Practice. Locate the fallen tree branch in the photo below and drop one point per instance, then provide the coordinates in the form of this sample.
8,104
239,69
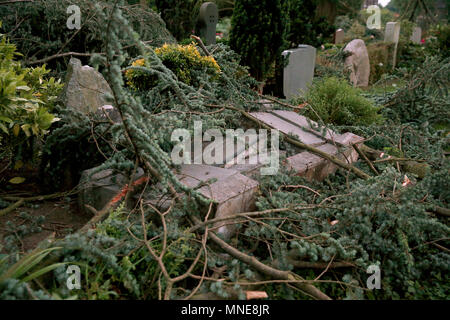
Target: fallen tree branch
12,207
60,55
363,155
442,211
265,269
201,44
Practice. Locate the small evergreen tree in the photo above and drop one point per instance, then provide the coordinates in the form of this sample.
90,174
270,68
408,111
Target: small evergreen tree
179,16
257,33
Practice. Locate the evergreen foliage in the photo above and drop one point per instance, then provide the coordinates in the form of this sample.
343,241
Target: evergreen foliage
44,22
390,220
256,34
180,16
335,101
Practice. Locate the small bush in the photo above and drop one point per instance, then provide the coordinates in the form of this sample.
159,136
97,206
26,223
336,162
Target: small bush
380,60
27,97
185,61
336,102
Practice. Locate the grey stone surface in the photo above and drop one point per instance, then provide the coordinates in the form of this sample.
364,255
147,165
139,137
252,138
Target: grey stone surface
288,128
85,88
392,35
299,72
207,20
313,167
339,36
108,112
358,63
99,189
232,191
416,36
305,123
306,163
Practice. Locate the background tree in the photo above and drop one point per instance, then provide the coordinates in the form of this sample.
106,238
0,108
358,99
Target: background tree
179,16
256,34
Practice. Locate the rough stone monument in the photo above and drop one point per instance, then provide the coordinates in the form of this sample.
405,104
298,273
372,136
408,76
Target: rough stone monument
392,35
416,36
207,22
358,63
339,36
299,72
85,88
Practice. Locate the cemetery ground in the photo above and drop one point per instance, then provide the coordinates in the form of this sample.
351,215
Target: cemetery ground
357,207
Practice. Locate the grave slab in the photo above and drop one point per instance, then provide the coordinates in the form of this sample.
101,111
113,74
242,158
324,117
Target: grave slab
288,128
306,163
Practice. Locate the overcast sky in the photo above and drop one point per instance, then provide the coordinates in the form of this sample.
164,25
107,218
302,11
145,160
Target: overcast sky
384,2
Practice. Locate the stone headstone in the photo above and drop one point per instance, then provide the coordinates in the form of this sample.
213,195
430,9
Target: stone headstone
358,63
208,19
416,36
339,36
85,88
392,35
299,72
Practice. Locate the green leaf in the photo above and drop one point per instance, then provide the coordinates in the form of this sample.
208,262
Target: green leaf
17,180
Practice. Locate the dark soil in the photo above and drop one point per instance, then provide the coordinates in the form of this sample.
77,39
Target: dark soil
61,215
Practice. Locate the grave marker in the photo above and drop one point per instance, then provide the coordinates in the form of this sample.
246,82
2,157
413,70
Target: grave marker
339,36
392,35
299,72
358,63
416,36
208,19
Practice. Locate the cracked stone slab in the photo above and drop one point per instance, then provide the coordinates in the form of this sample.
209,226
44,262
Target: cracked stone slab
231,191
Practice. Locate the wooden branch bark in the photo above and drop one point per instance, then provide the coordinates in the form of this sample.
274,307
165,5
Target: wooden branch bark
265,269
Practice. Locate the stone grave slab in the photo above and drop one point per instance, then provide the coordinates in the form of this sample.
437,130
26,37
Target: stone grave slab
299,72
288,128
207,21
231,191
306,163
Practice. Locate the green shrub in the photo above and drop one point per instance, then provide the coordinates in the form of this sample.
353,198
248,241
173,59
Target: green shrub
27,97
185,61
440,41
379,57
336,102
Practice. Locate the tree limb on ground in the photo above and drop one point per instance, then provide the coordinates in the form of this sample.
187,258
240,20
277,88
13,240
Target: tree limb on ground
265,269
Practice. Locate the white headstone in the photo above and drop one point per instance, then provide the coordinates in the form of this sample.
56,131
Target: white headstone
299,72
392,35
339,36
416,36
